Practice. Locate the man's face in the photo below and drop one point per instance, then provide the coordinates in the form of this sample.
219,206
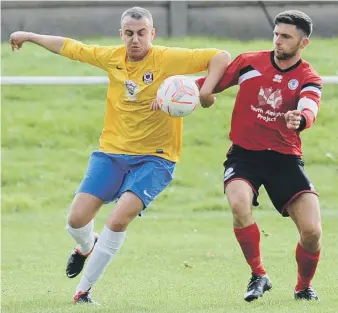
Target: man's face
288,41
137,36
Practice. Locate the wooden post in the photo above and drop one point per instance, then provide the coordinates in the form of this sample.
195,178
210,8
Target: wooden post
178,18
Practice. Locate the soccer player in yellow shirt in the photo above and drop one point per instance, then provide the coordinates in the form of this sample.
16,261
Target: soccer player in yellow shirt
139,145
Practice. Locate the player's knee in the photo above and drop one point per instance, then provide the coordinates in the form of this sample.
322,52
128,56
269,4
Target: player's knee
240,204
74,221
78,219
241,211
118,220
117,225
311,235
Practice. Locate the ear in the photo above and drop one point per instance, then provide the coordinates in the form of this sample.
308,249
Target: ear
153,32
305,42
120,30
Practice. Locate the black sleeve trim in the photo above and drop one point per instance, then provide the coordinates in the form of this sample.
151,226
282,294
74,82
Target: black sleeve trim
245,70
302,123
312,85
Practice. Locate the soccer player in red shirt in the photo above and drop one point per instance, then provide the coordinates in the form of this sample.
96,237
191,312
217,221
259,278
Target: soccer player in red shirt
278,98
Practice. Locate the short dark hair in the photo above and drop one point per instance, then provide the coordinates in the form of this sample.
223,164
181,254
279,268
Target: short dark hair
298,18
137,13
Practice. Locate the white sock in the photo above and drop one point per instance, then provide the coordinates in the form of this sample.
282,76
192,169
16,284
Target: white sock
105,249
83,236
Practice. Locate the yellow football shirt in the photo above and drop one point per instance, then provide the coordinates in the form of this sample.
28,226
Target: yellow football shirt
130,127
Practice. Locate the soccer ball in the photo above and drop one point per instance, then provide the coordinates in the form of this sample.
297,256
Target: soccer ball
178,96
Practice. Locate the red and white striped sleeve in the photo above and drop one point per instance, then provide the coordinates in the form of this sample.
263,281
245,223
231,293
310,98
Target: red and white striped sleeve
309,99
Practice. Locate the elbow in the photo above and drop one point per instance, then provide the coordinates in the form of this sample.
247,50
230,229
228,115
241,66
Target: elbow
227,57
220,62
224,58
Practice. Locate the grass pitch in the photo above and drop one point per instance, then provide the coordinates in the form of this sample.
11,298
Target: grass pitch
182,255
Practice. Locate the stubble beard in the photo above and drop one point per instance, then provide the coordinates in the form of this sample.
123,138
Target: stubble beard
285,56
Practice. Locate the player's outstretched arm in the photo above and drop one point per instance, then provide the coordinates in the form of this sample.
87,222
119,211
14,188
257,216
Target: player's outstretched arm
51,43
216,69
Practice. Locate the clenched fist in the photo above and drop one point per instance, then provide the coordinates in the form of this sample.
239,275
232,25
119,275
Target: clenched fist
207,99
16,39
293,119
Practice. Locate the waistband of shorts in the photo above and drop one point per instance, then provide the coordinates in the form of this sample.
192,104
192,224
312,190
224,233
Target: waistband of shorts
238,150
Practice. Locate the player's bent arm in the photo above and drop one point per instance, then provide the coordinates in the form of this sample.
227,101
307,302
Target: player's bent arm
216,68
229,76
51,43
309,102
309,111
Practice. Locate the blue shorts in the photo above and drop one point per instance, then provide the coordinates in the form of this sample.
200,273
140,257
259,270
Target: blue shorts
110,175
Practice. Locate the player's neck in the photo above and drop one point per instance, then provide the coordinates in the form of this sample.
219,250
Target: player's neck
140,58
135,59
285,64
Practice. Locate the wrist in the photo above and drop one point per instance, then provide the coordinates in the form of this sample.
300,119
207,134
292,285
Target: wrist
30,36
302,124
205,91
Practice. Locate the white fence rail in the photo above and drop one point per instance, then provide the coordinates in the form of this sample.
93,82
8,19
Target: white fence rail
88,80
54,80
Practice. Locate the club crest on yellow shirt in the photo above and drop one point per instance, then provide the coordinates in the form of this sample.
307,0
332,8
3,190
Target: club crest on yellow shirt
148,77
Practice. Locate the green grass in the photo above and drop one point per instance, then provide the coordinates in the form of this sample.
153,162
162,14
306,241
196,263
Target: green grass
149,275
48,133
34,61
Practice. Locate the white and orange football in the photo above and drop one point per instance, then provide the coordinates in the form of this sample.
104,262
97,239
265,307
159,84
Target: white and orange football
178,96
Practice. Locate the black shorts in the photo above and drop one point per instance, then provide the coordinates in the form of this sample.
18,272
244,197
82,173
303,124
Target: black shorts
282,176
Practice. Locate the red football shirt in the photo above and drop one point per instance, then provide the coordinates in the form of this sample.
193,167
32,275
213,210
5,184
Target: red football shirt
266,93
